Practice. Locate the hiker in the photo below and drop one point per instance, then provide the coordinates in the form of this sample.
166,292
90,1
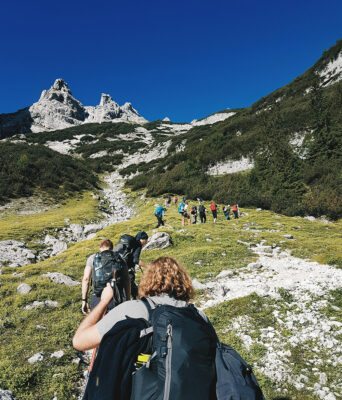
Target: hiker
200,200
168,201
159,213
160,346
226,211
202,214
213,209
235,210
176,200
94,262
182,210
193,213
185,214
164,283
183,199
130,248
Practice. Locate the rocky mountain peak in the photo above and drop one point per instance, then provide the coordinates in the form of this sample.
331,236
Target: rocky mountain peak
106,99
60,84
58,109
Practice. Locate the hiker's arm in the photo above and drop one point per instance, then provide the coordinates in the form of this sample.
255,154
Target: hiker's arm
85,288
136,258
87,335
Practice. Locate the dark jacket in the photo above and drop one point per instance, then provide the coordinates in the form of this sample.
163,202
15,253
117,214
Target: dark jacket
111,376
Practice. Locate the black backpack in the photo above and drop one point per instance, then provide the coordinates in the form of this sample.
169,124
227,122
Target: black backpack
182,361
108,267
201,208
126,246
189,363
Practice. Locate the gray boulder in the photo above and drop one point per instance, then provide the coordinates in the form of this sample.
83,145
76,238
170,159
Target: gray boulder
254,266
92,228
76,231
225,273
160,240
39,304
6,395
59,278
24,288
57,245
288,236
15,253
57,354
36,357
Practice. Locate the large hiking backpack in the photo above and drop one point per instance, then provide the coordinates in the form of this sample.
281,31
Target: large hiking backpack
126,246
159,211
201,209
182,361
213,206
193,210
181,207
184,364
107,267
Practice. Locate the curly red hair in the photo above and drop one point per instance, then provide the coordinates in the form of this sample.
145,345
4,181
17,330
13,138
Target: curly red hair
166,275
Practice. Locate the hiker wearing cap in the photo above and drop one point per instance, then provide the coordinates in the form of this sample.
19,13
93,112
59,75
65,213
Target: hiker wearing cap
98,264
130,248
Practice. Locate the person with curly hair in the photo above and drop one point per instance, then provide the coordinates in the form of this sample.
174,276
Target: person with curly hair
164,281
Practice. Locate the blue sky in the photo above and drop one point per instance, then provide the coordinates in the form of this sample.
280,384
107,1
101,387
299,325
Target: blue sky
181,59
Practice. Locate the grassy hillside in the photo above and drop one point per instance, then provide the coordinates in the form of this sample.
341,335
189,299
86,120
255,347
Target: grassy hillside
26,332
283,180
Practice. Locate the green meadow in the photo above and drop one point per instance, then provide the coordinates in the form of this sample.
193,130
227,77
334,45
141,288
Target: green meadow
24,333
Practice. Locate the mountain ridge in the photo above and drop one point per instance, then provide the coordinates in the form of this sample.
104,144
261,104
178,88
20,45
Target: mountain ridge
58,109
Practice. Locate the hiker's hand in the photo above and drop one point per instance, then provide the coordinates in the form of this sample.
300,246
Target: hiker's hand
85,307
107,294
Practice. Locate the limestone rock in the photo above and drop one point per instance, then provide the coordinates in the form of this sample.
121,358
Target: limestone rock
36,357
160,240
197,285
39,304
58,246
59,278
57,354
15,253
288,236
24,288
254,266
6,395
92,228
224,274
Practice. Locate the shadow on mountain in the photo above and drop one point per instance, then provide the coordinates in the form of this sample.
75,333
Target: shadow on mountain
15,123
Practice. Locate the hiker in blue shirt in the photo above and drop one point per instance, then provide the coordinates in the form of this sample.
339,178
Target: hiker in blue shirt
159,215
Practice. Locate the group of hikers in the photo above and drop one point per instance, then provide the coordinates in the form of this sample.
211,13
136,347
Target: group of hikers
147,341
190,214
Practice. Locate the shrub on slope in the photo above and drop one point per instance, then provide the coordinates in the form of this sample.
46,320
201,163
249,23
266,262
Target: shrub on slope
26,169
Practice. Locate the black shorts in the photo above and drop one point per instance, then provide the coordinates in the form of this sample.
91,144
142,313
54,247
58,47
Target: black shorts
214,213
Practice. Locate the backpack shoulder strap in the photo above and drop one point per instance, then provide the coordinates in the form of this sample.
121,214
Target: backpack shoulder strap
150,306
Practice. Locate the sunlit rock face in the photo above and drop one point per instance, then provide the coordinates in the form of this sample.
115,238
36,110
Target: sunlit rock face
58,109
